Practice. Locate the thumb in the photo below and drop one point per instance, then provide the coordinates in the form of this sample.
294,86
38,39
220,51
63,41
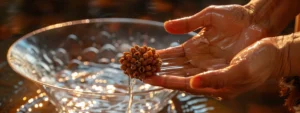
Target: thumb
214,79
188,24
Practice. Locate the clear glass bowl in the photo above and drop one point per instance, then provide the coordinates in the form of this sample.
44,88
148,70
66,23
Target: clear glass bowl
76,63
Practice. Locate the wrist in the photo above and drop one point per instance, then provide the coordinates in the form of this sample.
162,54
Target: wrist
273,15
283,67
294,54
290,82
289,56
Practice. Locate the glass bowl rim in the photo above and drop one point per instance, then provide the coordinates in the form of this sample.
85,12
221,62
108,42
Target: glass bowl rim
77,22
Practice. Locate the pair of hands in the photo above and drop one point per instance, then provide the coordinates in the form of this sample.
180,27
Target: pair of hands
227,57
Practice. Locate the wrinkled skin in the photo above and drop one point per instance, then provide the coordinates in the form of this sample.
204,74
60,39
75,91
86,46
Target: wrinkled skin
247,70
227,30
210,62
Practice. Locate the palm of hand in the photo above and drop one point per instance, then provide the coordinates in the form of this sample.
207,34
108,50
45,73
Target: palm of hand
227,30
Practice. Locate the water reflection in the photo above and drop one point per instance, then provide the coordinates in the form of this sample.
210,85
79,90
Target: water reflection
35,102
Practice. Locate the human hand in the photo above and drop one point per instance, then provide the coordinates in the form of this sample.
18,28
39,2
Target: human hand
226,31
247,70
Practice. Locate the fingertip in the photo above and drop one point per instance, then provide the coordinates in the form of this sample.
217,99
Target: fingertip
168,27
175,26
195,82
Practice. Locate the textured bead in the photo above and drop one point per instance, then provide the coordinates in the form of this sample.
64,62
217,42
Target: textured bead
140,62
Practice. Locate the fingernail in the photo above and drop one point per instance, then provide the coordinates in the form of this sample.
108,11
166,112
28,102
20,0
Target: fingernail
195,82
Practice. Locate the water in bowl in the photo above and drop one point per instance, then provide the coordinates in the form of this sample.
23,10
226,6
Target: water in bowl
91,50
101,78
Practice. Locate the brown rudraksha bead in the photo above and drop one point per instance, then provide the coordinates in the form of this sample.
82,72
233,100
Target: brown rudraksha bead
140,62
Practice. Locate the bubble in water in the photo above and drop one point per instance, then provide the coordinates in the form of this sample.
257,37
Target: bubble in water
74,64
89,41
173,44
90,54
61,55
118,56
104,61
73,36
108,47
125,47
73,45
108,51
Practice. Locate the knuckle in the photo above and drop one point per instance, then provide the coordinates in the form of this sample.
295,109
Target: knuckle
239,13
267,43
236,6
211,8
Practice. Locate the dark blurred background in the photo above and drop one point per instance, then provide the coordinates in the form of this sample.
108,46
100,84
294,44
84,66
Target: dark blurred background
19,17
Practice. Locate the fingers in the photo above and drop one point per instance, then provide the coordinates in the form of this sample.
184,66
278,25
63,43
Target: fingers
182,72
171,52
169,81
188,24
219,94
213,79
218,78
182,84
